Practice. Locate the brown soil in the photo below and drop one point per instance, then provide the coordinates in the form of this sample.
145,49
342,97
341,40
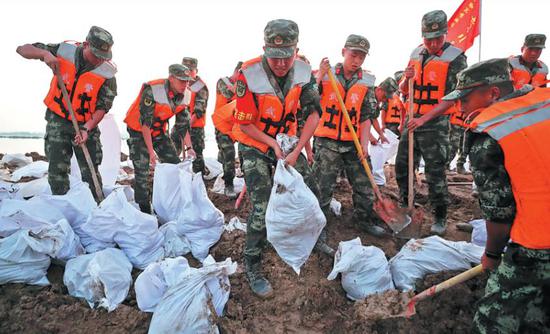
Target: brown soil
308,303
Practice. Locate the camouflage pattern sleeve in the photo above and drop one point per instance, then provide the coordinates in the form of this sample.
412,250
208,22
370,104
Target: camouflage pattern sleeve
146,106
369,108
455,66
106,95
221,88
496,198
201,101
310,100
182,123
52,48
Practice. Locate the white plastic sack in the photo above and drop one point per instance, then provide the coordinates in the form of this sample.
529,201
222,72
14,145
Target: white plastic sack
174,243
8,190
102,278
431,255
167,198
128,191
293,218
215,168
479,233
184,306
219,185
136,233
17,159
35,169
234,224
381,153
24,259
365,269
335,207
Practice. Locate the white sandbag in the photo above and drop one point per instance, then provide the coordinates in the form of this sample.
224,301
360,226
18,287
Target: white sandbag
19,220
33,188
102,278
8,190
234,224
215,168
335,207
365,269
219,185
167,198
174,243
136,233
293,218
184,306
128,191
479,233
35,169
431,255
153,282
111,143
24,259
381,153
17,159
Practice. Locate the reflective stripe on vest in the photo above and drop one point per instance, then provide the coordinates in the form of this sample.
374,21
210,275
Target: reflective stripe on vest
273,117
83,90
431,79
190,97
522,128
332,123
521,75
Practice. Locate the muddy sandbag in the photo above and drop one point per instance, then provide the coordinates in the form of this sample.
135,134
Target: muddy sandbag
365,269
102,278
24,258
294,220
175,244
35,169
186,307
17,159
431,255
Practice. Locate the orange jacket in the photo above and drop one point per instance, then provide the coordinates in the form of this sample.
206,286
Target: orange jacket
521,75
457,117
223,118
192,91
272,116
522,128
395,111
431,79
163,109
82,90
332,123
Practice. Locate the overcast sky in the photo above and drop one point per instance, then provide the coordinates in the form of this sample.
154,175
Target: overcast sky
151,35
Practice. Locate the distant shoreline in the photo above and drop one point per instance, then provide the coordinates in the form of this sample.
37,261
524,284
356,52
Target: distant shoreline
21,137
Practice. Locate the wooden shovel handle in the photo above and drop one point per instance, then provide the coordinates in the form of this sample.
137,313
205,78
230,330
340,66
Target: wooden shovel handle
410,139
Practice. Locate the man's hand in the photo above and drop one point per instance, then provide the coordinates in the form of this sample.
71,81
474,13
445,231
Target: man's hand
373,141
488,263
415,123
383,139
324,67
292,157
278,152
51,61
152,160
81,137
310,157
409,72
365,149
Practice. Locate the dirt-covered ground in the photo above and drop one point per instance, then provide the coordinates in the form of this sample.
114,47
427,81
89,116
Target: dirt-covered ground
308,303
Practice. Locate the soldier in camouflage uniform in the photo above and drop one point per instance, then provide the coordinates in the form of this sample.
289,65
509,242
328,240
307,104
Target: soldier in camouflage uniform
389,101
430,124
197,109
274,77
334,147
225,93
506,139
147,120
90,61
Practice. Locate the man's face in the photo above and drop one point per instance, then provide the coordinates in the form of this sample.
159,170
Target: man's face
90,57
380,94
281,66
176,85
193,73
353,59
433,45
530,55
479,98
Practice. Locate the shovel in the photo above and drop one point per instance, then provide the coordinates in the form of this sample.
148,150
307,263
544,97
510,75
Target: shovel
386,209
98,190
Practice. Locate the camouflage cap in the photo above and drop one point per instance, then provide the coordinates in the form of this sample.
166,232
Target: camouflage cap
180,72
398,75
238,67
535,41
281,38
100,41
190,62
488,72
389,85
434,24
357,42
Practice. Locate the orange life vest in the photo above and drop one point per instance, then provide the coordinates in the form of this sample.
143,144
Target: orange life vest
332,123
223,118
83,89
191,95
164,109
431,79
521,75
395,110
274,117
457,117
522,128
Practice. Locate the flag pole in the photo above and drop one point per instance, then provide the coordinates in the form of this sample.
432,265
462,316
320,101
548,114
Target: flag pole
480,11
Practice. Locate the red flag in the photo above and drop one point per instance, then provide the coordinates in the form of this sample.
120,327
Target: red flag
464,24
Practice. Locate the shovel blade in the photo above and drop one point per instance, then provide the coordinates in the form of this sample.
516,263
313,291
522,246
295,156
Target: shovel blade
395,217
